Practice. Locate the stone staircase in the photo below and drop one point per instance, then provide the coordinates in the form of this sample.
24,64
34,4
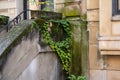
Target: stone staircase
23,58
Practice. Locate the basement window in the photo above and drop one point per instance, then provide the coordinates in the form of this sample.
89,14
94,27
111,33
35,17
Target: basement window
115,7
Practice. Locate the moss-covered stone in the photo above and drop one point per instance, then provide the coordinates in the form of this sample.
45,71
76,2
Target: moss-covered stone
45,15
79,47
10,38
72,10
4,20
76,54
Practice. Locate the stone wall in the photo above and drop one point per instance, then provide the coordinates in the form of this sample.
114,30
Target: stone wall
103,41
45,66
8,8
93,27
23,58
72,10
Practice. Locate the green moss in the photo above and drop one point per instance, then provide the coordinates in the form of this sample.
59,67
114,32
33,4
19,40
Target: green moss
10,39
79,47
58,36
3,20
72,12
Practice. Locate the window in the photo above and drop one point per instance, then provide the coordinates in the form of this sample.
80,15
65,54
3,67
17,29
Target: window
115,7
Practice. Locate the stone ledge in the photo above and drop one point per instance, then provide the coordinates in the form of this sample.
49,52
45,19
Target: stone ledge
35,14
109,45
113,53
11,36
109,38
116,18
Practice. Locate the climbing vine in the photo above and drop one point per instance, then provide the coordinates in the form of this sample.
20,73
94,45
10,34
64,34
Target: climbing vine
74,77
51,30
61,46
3,19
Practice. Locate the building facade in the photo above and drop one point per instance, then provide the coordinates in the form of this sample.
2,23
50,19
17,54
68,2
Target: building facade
104,39
11,8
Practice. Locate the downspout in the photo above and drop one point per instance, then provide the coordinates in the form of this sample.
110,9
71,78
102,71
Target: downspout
25,8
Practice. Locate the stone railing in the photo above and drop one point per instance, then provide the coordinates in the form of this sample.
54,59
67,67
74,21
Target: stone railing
20,50
9,38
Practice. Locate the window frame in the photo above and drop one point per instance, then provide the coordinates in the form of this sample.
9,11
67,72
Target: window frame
115,8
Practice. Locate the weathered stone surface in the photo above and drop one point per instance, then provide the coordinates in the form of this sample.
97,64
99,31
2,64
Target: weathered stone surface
28,60
93,32
109,45
109,38
22,45
92,4
98,75
113,75
116,18
20,56
79,49
60,8
3,31
72,9
105,17
0,76
8,38
112,53
116,28
44,66
76,52
93,15
83,6
7,4
94,58
45,15
113,62
109,41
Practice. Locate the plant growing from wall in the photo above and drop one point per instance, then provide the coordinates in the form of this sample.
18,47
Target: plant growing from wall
51,28
62,47
3,20
73,77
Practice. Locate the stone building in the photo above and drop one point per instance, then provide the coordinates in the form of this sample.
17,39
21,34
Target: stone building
28,60
104,39
103,18
11,7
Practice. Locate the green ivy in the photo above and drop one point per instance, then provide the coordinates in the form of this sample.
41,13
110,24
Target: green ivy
74,77
3,20
61,47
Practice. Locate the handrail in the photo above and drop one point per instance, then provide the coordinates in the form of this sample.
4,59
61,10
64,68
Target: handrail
15,20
